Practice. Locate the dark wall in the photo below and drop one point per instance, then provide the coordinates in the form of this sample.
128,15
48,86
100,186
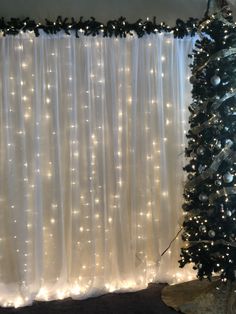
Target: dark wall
164,10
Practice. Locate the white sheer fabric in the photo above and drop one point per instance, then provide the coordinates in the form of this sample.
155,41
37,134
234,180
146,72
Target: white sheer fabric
91,155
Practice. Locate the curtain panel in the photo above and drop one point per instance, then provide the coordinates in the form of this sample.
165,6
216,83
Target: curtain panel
92,136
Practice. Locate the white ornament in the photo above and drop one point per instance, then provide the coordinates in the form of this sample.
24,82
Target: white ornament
215,80
211,233
228,177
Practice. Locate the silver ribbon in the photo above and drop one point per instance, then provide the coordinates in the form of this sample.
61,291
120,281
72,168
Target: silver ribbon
203,106
225,191
223,20
220,54
225,153
206,124
216,104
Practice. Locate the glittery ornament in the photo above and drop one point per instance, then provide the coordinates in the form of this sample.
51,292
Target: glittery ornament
218,182
200,150
185,236
215,80
202,228
222,207
193,155
201,168
211,233
227,110
218,144
203,197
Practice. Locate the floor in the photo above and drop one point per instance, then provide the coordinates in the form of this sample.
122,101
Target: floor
146,301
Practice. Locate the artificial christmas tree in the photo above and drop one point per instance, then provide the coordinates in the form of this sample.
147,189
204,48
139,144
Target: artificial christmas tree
210,191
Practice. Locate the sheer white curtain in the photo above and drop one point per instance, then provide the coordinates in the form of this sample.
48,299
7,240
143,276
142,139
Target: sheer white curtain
91,155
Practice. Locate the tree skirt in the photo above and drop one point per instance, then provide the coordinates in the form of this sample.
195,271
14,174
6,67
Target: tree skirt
201,297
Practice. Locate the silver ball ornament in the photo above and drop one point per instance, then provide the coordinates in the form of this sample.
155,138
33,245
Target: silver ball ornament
228,213
228,177
211,233
228,141
215,80
203,197
192,79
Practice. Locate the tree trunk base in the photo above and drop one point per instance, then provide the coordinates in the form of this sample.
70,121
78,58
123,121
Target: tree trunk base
201,297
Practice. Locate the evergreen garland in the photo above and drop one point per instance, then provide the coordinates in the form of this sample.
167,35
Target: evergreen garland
210,190
91,27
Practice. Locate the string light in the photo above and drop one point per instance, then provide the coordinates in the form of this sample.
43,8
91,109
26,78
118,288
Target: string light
84,168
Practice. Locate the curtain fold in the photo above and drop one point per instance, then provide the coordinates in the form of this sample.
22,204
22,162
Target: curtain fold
91,155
